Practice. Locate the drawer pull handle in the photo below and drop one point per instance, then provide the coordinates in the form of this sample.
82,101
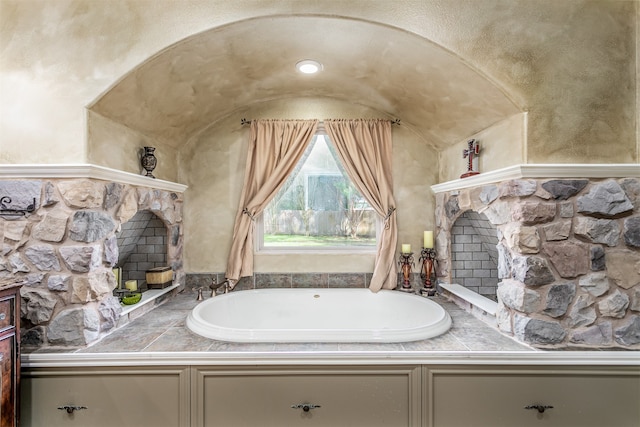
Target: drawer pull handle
3,316
540,408
70,408
306,407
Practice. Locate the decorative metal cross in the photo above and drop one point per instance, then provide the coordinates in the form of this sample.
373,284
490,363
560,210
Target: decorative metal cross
472,151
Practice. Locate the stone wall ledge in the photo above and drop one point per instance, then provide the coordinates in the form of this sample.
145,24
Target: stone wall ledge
148,299
486,305
50,171
618,170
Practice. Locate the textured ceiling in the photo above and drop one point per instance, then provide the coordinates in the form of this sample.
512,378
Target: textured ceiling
196,82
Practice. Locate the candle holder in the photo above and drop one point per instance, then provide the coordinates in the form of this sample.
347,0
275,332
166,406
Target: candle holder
428,259
406,262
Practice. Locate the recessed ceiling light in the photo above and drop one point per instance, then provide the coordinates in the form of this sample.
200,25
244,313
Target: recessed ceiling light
309,66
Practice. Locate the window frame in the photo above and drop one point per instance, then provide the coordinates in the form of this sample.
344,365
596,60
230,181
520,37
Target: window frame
260,248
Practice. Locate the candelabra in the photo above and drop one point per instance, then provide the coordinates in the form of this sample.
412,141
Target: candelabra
406,262
428,259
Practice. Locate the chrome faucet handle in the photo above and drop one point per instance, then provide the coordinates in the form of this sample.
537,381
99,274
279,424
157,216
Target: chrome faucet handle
222,288
213,286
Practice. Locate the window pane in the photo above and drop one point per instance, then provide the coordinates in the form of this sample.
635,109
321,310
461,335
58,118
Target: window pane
318,206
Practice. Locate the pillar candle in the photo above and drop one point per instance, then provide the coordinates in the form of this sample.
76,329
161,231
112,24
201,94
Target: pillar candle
406,248
116,273
131,285
428,239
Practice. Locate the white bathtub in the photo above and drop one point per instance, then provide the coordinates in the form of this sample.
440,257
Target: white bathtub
318,315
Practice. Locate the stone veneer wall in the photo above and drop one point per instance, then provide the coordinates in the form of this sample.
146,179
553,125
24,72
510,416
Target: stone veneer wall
64,250
568,257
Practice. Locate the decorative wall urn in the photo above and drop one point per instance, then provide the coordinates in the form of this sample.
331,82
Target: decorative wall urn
149,161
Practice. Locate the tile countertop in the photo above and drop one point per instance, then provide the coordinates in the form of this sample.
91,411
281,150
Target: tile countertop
160,337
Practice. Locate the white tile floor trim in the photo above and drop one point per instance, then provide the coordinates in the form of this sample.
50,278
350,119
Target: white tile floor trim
485,304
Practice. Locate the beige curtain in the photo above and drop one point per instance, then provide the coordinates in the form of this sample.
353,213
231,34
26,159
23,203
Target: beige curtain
365,148
274,150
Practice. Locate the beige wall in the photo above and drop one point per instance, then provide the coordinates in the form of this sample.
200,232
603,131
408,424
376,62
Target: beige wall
570,64
501,145
214,164
118,147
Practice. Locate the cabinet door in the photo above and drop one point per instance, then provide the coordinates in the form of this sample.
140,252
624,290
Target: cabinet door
498,397
8,381
384,396
105,397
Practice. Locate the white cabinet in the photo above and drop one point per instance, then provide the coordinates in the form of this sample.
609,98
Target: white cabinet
497,396
105,397
307,396
332,395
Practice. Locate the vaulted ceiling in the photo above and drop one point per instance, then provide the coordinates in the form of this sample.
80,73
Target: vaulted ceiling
198,81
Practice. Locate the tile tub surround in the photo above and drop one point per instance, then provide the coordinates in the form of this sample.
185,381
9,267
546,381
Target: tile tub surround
163,330
285,280
64,250
568,257
292,280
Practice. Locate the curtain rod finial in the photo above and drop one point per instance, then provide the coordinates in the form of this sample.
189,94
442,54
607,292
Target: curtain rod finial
245,122
395,122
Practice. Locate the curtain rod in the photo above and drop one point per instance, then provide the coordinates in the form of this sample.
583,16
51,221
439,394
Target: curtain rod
247,122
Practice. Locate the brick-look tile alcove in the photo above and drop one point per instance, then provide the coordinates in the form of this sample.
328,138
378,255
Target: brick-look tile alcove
568,255
142,245
474,254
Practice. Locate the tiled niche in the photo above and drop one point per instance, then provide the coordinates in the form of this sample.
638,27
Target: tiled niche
142,245
474,254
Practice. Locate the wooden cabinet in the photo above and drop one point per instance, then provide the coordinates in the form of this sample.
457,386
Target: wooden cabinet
307,396
499,396
10,354
106,397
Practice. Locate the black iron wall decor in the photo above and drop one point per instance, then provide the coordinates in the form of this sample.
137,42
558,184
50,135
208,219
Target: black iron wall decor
5,201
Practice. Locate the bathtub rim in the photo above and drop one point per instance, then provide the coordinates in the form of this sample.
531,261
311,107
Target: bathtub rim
197,325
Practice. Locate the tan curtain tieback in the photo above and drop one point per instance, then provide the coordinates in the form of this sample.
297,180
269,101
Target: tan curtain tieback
386,218
246,211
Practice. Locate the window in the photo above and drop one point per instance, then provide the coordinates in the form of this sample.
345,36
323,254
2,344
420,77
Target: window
318,208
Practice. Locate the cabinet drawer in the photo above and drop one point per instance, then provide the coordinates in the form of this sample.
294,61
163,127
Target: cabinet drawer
357,397
7,313
498,397
122,397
